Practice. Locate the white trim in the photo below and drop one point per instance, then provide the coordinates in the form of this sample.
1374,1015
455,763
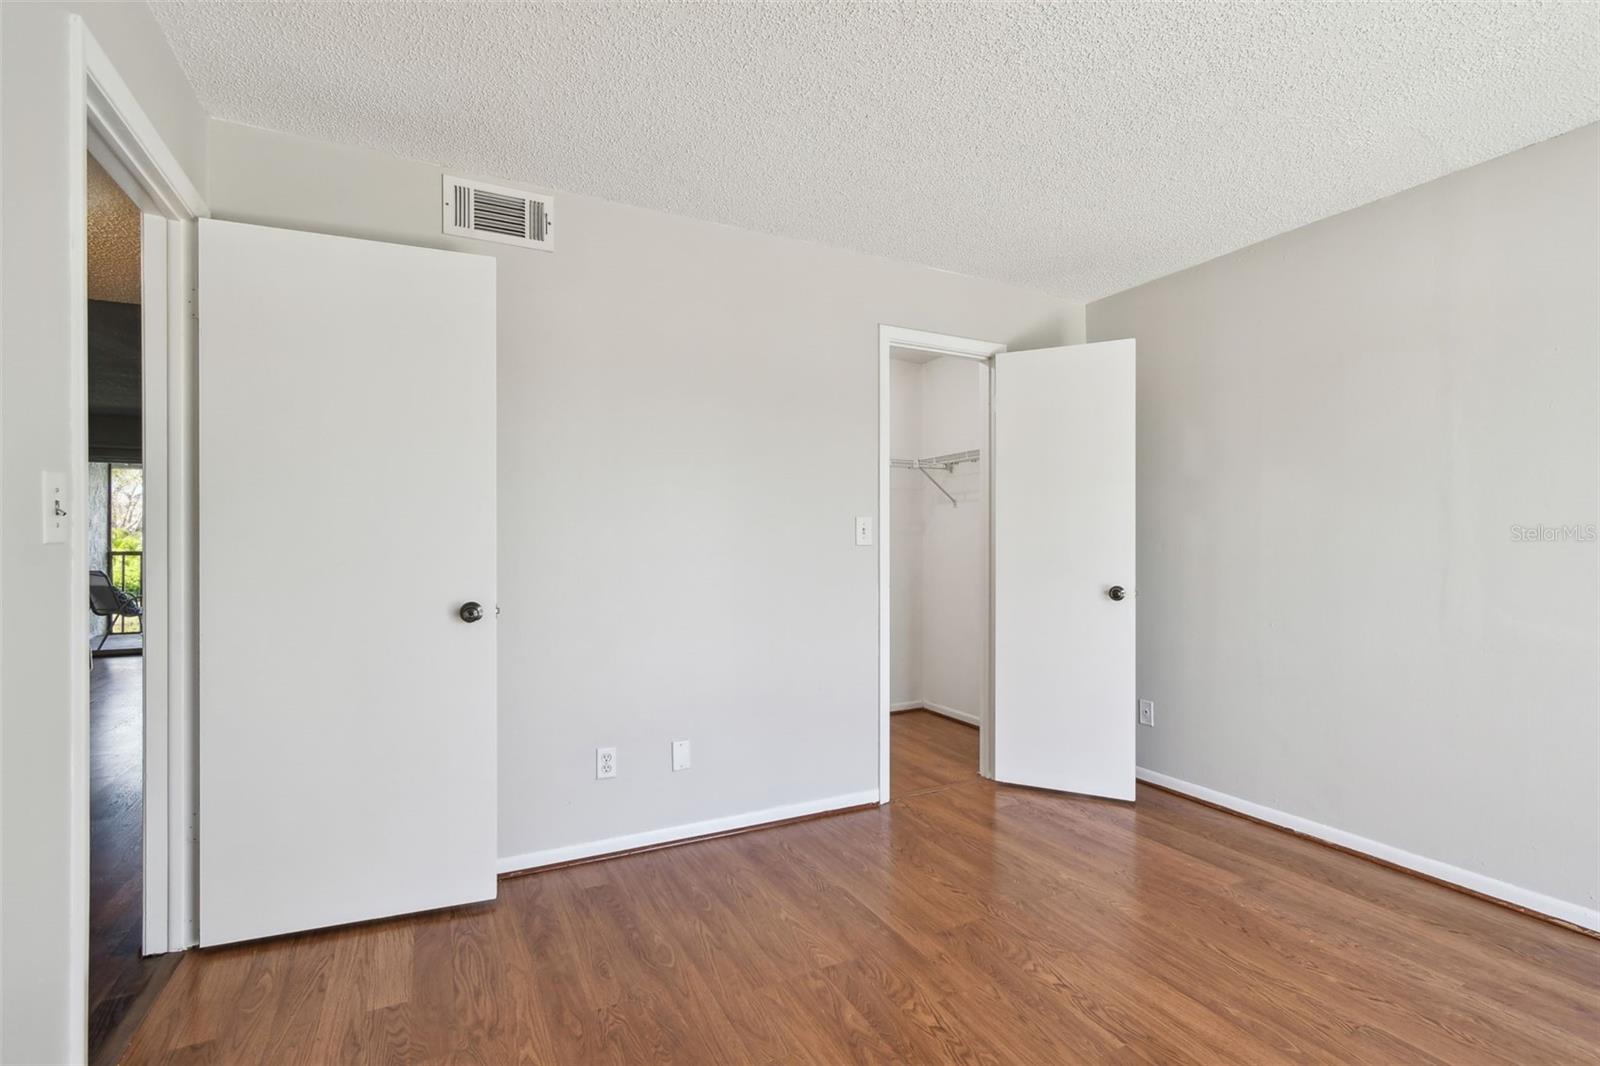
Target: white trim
105,120
890,337
75,179
885,664
154,344
182,678
937,708
1575,913
940,343
119,124
2,594
531,860
950,712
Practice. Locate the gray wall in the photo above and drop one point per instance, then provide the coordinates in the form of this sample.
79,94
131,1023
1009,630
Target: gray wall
1338,430
42,659
688,424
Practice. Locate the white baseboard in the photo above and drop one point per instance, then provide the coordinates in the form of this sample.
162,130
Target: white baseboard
567,853
1575,913
936,708
951,712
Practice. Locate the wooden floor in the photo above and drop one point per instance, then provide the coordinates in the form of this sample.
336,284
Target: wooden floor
928,751
969,923
120,980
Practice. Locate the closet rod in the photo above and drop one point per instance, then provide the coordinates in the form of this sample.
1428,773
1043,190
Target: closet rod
947,462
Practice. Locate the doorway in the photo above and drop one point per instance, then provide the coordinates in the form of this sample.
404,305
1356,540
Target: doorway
938,558
1054,624
935,508
106,124
121,976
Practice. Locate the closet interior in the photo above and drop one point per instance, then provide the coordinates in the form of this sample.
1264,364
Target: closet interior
939,557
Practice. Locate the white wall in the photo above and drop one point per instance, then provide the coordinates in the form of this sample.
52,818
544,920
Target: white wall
688,425
906,517
41,656
954,621
940,553
1338,430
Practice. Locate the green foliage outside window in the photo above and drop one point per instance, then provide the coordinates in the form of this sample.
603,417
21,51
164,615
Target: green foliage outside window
127,535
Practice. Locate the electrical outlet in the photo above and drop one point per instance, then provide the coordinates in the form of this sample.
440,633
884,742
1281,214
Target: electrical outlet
680,755
863,531
605,762
1147,712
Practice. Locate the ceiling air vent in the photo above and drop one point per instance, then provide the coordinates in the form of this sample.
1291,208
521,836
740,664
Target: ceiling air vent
493,213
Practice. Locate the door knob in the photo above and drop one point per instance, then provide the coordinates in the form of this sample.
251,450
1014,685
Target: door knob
471,611
1116,592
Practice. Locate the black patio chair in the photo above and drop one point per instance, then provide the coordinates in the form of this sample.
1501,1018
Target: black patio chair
109,602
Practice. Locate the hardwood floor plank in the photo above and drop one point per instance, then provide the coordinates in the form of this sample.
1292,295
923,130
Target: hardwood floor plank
904,1012
834,1031
929,751
1229,840
528,1038
965,923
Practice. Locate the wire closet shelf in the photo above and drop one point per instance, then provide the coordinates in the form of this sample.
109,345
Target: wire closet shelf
947,462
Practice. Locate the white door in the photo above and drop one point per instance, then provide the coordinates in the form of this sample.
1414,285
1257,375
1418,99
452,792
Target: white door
1063,483
347,513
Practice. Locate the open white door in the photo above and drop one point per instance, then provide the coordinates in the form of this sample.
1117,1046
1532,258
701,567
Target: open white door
1064,703
347,513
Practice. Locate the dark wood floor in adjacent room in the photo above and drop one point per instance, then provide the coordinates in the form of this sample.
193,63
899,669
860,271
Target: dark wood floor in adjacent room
120,980
968,923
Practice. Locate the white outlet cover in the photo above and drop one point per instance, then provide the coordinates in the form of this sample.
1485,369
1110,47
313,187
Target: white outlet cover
680,755
1147,712
863,530
605,762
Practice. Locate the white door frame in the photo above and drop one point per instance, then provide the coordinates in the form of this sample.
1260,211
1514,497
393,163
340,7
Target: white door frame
891,337
107,122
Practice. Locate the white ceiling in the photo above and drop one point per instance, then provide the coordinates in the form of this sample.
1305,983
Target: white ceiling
1078,148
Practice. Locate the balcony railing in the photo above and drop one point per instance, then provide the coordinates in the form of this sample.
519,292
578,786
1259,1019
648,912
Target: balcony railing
127,574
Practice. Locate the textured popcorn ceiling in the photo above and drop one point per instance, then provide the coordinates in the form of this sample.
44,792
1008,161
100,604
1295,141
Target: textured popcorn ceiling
113,240
1075,148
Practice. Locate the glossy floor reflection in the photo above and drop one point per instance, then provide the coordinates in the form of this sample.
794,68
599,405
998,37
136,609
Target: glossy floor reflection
967,923
120,980
927,751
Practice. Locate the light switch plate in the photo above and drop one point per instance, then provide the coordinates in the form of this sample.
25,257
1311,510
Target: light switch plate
863,530
680,755
53,500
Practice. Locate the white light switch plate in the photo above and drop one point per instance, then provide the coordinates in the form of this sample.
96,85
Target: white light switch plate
863,530
53,499
680,755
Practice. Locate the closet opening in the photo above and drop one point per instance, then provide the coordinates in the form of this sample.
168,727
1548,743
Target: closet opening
1012,605
936,532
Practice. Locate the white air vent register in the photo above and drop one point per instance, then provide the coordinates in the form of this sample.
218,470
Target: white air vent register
493,213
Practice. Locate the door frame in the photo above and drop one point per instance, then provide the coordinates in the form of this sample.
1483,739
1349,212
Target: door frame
889,338
106,121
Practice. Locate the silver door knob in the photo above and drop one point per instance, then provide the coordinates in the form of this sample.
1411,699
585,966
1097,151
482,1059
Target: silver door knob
471,611
1117,592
